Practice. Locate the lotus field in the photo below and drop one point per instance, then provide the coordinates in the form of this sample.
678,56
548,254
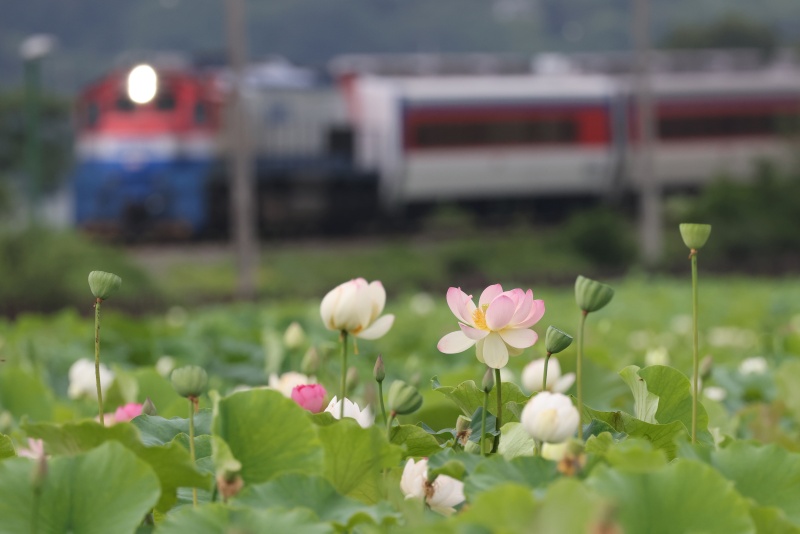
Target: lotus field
643,405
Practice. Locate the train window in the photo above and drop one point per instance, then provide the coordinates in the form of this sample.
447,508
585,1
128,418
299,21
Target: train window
495,132
200,114
165,101
729,125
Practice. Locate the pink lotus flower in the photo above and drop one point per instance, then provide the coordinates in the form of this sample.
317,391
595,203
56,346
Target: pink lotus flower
499,326
35,449
127,412
311,397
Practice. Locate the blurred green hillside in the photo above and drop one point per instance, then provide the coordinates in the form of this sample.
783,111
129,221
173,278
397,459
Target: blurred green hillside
92,34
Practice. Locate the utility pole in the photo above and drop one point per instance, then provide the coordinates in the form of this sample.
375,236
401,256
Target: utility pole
33,50
650,205
243,193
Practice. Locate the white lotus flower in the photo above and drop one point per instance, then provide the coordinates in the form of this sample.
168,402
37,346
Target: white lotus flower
363,417
441,495
533,373
286,382
715,393
355,307
756,365
82,380
550,417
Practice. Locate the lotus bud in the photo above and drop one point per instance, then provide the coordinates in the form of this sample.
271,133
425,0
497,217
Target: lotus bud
592,295
379,372
695,235
103,284
403,398
706,364
310,364
488,380
556,341
39,474
189,381
351,380
294,337
148,408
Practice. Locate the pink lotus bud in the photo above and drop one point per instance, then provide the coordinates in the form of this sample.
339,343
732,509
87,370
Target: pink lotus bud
128,412
311,397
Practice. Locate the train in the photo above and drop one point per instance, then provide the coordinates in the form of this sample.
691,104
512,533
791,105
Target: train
377,136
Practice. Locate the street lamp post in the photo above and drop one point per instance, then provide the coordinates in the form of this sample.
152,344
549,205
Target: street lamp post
33,50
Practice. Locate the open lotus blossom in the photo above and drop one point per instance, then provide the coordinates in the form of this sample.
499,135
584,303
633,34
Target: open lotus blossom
128,412
533,373
354,307
82,379
286,382
311,397
499,326
441,495
363,417
550,417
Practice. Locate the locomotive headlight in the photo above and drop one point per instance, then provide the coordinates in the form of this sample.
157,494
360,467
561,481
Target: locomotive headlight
142,84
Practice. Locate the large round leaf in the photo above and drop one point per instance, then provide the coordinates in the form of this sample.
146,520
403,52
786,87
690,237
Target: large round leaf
268,433
105,490
685,496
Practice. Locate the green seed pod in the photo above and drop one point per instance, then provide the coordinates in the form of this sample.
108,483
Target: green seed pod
463,423
379,372
695,235
556,341
488,380
592,295
404,399
189,381
148,408
103,284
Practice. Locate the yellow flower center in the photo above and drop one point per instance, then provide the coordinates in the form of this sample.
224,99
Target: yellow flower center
479,317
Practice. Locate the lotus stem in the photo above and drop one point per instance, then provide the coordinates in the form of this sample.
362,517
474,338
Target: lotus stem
343,388
544,377
499,417
97,358
192,406
380,396
696,359
483,422
579,371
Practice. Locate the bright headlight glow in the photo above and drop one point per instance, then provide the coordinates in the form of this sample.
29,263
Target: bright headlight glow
142,84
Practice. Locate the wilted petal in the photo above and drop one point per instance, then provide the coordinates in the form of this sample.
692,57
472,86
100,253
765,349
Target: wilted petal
537,311
519,338
489,294
473,333
495,352
499,313
378,328
454,342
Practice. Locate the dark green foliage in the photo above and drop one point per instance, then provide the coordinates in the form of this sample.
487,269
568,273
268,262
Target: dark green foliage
45,271
602,236
755,223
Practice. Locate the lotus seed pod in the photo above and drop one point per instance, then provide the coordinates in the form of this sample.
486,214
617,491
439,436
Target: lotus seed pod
148,408
103,284
556,341
379,372
404,399
488,380
189,381
695,235
592,295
